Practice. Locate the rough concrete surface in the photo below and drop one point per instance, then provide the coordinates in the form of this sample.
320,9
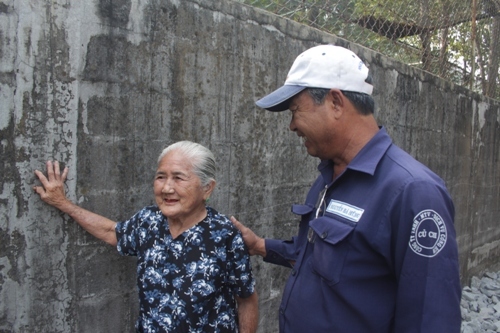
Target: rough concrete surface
104,85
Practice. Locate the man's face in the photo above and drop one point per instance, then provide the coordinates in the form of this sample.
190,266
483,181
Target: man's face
313,123
178,191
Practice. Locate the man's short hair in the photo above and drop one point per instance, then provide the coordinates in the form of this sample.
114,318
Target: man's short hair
363,103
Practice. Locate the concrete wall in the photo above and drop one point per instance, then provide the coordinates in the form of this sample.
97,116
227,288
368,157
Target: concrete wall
104,85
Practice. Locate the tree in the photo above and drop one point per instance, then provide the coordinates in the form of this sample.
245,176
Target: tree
459,40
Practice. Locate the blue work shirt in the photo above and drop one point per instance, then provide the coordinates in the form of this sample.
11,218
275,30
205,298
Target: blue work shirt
380,257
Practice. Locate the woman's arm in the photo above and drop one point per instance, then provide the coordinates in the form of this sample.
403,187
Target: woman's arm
248,313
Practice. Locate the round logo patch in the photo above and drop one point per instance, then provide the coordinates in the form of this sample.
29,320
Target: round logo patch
428,233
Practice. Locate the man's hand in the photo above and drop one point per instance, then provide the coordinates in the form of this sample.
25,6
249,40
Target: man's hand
52,189
256,245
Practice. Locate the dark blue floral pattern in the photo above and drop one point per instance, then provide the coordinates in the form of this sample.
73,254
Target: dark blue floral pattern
187,284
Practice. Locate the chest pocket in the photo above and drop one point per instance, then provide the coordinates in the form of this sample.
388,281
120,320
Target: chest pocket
331,246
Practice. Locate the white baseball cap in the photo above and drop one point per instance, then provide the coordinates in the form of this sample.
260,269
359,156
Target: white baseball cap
323,66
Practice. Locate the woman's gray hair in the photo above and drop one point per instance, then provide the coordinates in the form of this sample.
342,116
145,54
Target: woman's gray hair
202,159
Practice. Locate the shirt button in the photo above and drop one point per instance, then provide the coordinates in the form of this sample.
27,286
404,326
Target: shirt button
294,272
281,311
323,235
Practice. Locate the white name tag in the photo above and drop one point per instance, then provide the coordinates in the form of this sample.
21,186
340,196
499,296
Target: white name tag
345,210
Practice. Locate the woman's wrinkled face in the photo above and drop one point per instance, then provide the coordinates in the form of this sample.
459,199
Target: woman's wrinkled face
177,189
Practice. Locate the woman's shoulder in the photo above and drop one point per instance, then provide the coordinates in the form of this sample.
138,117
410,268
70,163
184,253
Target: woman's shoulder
219,219
148,214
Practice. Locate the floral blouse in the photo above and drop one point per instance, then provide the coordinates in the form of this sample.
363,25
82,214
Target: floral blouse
187,284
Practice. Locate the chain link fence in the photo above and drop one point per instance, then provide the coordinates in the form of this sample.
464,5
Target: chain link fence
458,40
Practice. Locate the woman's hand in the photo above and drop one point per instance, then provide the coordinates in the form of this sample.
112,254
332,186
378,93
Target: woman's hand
52,189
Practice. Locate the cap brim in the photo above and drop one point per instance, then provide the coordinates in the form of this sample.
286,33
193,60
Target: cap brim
279,100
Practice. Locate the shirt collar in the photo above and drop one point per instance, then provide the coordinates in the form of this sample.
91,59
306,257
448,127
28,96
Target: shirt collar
366,160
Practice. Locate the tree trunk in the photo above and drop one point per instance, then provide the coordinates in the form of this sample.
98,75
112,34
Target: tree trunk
494,60
443,54
482,67
425,36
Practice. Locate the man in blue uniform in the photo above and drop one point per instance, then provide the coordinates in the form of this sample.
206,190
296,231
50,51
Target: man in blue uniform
376,248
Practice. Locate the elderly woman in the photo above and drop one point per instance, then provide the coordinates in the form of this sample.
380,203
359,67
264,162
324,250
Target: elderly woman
193,271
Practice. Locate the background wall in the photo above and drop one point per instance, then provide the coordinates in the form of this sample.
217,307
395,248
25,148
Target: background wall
104,85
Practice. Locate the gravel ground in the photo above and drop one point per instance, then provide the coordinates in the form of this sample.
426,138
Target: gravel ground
480,305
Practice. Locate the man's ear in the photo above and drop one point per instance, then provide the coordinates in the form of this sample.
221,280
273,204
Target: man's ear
336,98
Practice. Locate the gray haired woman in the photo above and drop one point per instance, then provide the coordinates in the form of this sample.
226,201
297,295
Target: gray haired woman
193,270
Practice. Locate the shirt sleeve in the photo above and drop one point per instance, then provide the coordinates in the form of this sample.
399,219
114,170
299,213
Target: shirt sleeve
426,260
283,252
127,235
240,272
280,252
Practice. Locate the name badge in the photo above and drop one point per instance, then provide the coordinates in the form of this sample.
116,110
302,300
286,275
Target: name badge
350,212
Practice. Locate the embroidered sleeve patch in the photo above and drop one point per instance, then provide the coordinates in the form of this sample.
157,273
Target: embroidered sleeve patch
428,233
